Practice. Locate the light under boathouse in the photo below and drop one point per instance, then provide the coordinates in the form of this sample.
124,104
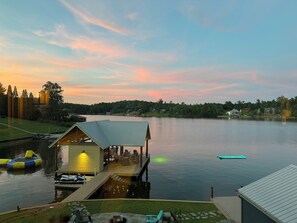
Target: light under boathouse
105,146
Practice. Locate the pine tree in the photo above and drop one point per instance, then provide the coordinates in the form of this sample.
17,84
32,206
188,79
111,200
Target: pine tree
2,89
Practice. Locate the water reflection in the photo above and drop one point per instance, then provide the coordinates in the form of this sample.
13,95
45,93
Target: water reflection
29,187
123,188
188,149
23,171
35,186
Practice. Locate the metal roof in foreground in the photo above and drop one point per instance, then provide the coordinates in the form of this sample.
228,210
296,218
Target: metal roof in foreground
275,195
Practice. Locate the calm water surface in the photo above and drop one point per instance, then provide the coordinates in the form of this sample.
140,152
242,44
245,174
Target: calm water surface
190,147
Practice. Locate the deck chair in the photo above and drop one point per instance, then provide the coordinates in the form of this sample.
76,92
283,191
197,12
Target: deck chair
81,219
154,218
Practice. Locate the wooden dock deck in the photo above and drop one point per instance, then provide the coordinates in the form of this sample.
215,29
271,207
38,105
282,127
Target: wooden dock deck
86,190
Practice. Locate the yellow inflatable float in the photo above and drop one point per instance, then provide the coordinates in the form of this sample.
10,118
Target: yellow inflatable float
30,160
3,162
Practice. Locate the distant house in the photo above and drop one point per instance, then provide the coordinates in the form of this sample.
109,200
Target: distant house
269,111
271,199
233,113
89,143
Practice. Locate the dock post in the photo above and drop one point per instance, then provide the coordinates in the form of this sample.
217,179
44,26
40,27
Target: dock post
56,158
141,156
146,149
211,192
146,174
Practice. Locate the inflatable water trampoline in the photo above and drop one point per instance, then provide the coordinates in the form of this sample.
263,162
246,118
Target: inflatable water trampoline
30,160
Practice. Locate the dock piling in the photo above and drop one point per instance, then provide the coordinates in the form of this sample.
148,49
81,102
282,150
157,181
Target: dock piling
211,192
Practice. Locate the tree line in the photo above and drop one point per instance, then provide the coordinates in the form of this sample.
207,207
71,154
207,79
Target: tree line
280,107
57,110
47,106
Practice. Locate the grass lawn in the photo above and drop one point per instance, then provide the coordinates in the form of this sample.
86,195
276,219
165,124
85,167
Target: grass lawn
144,207
7,133
37,215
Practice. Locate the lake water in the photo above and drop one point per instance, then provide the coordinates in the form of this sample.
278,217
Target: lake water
189,148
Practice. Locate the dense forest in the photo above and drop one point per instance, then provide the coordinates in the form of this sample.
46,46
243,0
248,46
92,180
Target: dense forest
282,107
55,109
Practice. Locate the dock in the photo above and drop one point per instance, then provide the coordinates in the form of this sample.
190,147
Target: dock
86,190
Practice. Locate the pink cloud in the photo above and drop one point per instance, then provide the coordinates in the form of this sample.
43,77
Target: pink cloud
142,74
218,87
100,93
156,95
95,21
81,43
171,94
95,46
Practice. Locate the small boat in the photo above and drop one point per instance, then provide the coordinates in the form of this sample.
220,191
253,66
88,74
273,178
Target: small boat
30,160
70,179
232,157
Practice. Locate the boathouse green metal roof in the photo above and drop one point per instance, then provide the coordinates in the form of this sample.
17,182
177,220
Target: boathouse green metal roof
275,195
112,133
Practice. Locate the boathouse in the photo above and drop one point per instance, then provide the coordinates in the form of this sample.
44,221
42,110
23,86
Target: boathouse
271,199
93,145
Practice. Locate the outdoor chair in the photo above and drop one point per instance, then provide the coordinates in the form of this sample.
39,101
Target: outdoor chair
79,218
154,218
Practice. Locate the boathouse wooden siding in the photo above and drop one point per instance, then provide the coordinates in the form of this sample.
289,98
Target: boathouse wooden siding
84,158
87,142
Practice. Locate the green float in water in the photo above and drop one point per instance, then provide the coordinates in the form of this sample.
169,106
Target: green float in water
160,159
232,157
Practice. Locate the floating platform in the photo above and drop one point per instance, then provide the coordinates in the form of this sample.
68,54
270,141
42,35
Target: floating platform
232,157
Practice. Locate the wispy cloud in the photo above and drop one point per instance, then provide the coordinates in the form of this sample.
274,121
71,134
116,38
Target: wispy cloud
133,16
82,43
1,42
87,18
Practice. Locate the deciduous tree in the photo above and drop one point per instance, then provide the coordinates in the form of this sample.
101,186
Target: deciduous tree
54,109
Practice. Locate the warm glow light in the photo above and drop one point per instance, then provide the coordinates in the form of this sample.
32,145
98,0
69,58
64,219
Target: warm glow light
83,162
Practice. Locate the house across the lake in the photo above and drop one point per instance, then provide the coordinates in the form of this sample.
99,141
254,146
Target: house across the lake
234,113
271,199
94,145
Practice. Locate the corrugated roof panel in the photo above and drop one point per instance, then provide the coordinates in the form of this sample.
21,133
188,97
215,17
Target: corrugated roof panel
291,219
113,133
125,132
93,130
275,194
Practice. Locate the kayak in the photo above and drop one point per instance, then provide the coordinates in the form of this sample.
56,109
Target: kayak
232,157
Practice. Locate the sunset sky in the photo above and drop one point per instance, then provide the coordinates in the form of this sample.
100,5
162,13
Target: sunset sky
188,51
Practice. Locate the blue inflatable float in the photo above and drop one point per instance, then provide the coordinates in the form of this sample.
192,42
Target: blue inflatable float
30,160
